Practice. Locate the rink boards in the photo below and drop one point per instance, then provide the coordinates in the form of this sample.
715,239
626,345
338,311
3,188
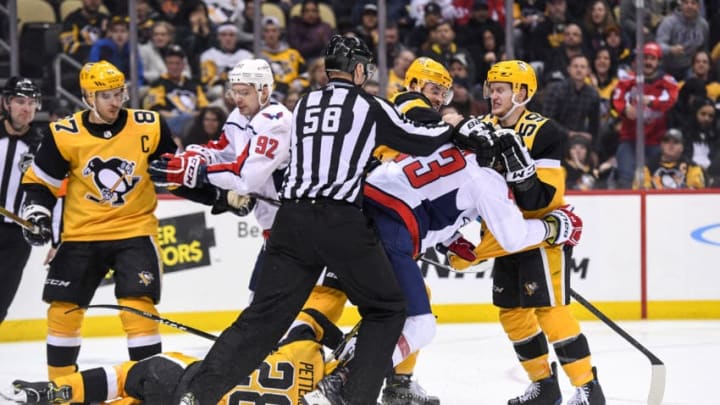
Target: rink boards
643,255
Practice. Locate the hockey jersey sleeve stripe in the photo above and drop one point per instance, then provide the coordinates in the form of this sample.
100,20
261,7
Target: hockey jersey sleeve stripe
400,208
235,167
45,177
549,163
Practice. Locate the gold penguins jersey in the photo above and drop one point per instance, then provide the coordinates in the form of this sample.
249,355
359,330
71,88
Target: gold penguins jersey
109,193
282,378
416,107
287,64
544,140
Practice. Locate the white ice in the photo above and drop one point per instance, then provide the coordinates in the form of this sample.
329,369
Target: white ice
475,364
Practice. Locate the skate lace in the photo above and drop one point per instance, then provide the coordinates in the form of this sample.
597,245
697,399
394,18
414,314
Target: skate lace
581,397
532,392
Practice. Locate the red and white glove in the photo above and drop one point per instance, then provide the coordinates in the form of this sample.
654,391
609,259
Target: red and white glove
458,246
563,227
178,170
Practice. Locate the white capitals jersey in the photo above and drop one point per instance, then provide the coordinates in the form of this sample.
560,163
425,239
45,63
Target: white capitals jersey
435,195
250,156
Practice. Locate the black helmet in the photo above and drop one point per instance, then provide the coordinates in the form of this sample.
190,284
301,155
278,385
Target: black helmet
20,86
344,53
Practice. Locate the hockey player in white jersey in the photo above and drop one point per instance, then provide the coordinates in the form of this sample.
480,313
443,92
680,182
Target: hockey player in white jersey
418,203
246,160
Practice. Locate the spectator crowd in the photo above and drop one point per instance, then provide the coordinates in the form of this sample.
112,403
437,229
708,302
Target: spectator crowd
583,51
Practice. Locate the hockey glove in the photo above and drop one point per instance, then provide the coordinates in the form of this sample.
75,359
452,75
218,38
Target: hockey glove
240,205
563,227
39,216
178,170
203,152
478,137
457,246
519,166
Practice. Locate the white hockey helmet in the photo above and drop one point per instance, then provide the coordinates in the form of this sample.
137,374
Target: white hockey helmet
256,72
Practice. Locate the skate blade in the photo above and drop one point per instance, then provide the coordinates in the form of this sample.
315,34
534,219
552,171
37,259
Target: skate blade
11,397
315,398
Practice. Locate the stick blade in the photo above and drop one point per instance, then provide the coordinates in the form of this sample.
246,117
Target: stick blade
657,384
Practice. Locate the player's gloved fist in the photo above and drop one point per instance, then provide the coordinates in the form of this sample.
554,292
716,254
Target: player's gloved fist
563,226
178,170
39,217
240,205
458,246
198,150
514,155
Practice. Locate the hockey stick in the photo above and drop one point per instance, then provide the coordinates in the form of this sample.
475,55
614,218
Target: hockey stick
657,379
154,317
268,200
22,222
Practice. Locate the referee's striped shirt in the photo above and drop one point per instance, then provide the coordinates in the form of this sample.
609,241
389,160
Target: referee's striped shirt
16,154
335,130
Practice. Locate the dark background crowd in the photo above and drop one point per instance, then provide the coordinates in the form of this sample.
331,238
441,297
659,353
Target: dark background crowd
583,52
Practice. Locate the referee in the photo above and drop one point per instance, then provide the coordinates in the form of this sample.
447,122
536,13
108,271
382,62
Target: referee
19,140
334,132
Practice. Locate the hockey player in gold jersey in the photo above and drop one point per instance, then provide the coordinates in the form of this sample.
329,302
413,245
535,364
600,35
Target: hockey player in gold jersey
108,219
531,288
289,372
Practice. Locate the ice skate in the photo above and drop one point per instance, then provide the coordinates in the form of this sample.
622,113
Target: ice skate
42,392
589,394
542,392
400,389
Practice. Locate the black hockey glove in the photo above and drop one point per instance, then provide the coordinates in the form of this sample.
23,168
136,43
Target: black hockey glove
240,205
478,137
514,156
39,216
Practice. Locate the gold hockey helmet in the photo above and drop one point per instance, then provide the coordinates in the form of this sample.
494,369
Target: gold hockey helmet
100,76
425,70
515,72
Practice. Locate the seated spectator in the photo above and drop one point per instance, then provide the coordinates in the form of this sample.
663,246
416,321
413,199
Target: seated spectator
604,79
558,59
367,29
700,134
486,53
549,32
175,96
443,48
472,33
174,11
598,18
287,64
292,98
680,35
116,48
418,39
681,112
393,46
653,14
216,62
672,169
317,77
207,126
702,69
622,57
146,19
152,53
195,36
307,32
579,166
81,28
396,75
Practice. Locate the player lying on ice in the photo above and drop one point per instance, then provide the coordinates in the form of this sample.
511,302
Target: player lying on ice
289,372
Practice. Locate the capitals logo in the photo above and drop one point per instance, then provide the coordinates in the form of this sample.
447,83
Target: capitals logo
273,116
113,179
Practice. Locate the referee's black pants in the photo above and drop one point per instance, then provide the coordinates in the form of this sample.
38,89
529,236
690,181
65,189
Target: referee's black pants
14,251
308,235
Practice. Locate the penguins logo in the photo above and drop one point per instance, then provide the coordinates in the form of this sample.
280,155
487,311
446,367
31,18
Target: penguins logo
113,179
146,278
